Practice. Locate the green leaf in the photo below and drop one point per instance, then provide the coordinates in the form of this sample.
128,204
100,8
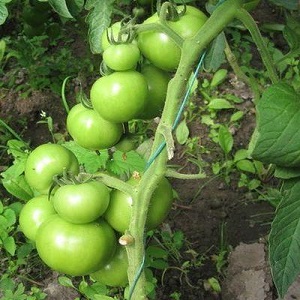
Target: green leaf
218,78
10,216
10,245
236,116
182,132
219,103
126,163
65,281
225,139
286,173
240,154
98,20
284,244
91,160
246,166
3,12
2,47
277,136
215,55
60,6
288,4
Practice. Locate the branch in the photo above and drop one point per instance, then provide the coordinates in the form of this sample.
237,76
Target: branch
175,174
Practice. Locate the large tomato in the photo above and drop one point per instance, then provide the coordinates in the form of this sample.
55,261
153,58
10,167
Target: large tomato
119,210
90,130
157,81
35,212
81,203
120,96
46,161
159,48
114,273
75,249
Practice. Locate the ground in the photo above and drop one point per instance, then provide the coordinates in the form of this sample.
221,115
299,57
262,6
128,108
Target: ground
208,211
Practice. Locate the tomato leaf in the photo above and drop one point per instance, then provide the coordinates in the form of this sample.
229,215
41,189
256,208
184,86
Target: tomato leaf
276,139
3,11
65,281
60,6
91,160
126,163
98,19
284,243
219,103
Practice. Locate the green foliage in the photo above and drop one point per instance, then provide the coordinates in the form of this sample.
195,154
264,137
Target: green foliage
3,10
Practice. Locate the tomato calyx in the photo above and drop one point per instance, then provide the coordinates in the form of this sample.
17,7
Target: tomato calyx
167,11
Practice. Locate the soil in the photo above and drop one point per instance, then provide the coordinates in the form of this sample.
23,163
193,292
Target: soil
204,210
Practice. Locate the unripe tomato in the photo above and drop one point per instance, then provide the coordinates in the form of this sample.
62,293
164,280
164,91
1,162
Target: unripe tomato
114,273
46,161
118,212
159,48
126,144
81,203
33,214
122,57
120,96
90,130
75,249
157,81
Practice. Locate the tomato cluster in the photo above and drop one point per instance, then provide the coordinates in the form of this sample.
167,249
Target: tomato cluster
75,226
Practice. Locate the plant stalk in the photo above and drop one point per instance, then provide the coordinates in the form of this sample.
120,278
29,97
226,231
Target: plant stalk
191,49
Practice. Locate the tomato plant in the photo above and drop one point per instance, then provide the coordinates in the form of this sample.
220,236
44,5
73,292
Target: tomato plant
159,48
90,130
114,273
120,96
75,249
119,210
81,203
47,161
122,57
33,214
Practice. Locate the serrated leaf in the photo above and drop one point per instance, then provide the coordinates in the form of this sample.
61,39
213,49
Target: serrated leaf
215,55
219,103
60,6
182,132
284,243
10,245
91,160
276,139
225,139
126,163
98,20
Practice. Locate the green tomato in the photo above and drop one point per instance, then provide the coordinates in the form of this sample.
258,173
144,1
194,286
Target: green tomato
118,212
46,161
120,96
114,273
90,130
33,214
81,203
122,57
159,48
75,249
157,81
126,144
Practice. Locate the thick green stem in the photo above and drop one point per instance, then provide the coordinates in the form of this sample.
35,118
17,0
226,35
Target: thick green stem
250,24
191,50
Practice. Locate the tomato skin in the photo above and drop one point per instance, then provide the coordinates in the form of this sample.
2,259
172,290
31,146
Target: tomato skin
114,273
157,81
33,214
120,96
90,130
46,161
118,212
81,203
122,57
159,48
75,249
